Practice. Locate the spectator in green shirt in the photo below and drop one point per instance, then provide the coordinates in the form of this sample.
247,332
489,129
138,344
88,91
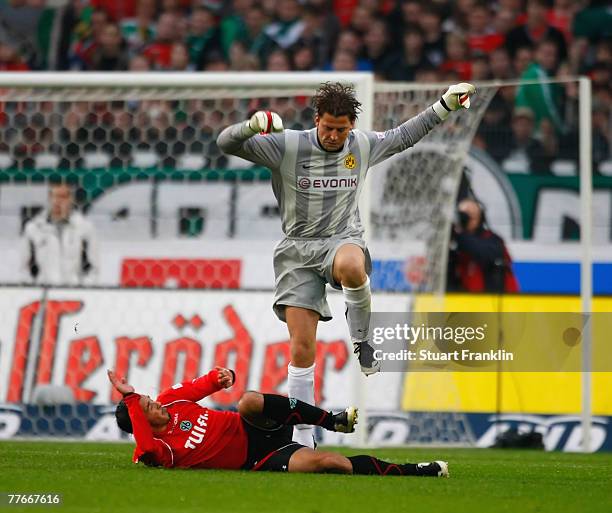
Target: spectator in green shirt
204,39
233,25
544,99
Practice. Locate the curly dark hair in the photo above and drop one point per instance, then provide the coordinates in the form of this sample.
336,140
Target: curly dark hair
123,417
336,99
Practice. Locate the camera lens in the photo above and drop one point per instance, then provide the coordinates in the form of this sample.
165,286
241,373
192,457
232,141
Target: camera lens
464,219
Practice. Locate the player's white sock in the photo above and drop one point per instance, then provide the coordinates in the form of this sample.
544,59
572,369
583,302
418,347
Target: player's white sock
358,303
300,383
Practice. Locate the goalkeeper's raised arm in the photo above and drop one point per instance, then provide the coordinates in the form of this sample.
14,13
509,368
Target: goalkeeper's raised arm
258,139
385,144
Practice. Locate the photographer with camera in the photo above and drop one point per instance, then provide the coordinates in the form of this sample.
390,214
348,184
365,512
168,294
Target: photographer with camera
478,260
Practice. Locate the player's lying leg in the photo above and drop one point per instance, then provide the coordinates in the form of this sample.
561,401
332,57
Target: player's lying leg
369,465
350,272
260,409
307,460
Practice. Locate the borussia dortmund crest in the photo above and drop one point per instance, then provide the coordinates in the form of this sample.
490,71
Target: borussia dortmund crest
185,425
350,161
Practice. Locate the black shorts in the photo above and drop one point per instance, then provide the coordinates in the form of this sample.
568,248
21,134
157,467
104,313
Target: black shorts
269,449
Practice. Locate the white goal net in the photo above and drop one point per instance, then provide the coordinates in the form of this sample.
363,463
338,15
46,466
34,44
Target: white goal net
413,195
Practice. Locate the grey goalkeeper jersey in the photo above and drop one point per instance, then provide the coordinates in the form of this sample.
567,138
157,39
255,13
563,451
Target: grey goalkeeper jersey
317,190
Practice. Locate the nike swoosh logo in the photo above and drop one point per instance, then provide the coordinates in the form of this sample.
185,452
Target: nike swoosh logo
307,166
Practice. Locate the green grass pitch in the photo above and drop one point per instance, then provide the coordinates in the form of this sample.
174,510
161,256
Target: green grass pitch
96,477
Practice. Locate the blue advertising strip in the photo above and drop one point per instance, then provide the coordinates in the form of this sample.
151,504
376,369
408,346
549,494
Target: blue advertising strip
533,277
559,432
388,275
561,277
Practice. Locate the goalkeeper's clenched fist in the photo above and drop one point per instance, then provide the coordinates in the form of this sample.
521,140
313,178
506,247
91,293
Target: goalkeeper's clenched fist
264,122
456,97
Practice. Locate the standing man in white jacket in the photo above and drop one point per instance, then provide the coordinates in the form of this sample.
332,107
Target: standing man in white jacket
59,246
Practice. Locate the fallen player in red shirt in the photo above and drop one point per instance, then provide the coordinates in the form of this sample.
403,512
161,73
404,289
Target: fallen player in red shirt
175,431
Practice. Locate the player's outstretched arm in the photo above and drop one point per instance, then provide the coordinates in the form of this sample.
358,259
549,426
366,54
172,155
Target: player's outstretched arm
120,384
199,388
385,144
233,139
156,450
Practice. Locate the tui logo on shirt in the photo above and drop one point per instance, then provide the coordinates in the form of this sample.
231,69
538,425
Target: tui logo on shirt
197,434
186,425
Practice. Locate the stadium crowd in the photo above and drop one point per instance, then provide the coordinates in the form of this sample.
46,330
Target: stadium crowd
404,40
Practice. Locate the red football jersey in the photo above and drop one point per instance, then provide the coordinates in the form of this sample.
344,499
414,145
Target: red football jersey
195,436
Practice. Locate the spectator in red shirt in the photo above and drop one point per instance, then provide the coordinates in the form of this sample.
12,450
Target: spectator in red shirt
561,16
10,60
343,9
457,60
159,52
117,9
481,36
176,432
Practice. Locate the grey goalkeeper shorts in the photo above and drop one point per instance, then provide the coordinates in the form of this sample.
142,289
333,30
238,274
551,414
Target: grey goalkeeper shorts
302,268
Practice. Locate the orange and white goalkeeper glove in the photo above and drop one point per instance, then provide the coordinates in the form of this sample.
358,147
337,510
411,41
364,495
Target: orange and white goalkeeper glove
264,122
456,97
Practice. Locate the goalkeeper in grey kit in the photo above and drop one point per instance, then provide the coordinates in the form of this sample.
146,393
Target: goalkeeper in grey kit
317,177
